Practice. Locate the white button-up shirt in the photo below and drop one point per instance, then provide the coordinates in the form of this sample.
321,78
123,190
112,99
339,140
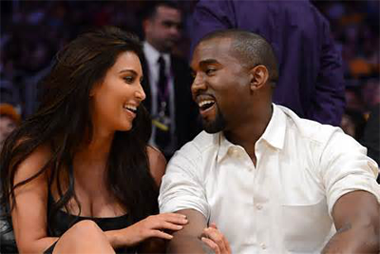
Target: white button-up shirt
284,203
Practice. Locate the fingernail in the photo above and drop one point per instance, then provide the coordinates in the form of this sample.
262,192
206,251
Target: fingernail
180,227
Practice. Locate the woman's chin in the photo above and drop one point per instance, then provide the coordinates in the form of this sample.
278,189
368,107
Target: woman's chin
124,127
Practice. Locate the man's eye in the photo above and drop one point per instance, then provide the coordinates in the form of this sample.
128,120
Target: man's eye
210,71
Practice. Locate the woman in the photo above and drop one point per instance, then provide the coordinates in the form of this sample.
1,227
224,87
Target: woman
78,176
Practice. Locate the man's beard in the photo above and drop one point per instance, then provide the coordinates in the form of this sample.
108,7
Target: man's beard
219,124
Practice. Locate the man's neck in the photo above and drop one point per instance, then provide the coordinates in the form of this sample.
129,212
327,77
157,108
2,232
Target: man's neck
156,48
248,133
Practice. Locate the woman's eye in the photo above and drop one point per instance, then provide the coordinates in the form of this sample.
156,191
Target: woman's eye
129,79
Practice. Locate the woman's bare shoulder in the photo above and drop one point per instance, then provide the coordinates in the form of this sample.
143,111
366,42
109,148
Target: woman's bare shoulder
157,163
33,163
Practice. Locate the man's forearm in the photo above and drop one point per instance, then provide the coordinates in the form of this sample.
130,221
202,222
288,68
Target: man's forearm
359,239
187,244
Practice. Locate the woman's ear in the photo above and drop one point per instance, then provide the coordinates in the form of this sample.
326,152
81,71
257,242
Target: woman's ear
94,89
259,77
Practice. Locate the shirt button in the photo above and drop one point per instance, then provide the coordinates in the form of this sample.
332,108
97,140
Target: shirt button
234,152
259,207
263,246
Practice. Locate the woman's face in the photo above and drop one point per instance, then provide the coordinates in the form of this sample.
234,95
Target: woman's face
116,99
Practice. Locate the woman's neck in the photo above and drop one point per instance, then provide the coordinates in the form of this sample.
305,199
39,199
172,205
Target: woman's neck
96,150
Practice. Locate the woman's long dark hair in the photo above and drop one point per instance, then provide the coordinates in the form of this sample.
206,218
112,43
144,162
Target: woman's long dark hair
63,122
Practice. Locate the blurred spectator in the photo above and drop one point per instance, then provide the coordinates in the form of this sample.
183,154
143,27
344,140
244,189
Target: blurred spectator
167,79
353,123
354,98
9,120
371,138
310,66
371,93
30,31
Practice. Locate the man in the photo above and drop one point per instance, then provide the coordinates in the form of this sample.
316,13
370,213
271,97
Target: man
269,180
167,80
311,82
371,137
9,120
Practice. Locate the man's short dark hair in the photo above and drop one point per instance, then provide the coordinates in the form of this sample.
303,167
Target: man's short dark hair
250,48
151,11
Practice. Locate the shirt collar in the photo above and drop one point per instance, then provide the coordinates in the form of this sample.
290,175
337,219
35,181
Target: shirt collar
224,145
153,54
274,134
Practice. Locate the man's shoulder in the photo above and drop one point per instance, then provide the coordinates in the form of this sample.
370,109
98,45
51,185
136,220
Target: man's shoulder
202,143
308,129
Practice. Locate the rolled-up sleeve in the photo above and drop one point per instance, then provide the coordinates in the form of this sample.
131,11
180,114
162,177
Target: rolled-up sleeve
346,168
181,187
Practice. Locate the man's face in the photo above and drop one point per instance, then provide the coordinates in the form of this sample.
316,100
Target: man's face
221,85
163,30
7,125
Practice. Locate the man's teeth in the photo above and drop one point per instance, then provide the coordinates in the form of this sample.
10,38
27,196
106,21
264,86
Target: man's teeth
202,103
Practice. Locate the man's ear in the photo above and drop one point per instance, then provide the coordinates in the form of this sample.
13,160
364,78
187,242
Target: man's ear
259,77
146,25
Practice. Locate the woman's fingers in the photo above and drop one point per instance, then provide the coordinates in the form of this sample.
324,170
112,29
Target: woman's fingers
211,244
213,225
161,234
214,235
174,218
171,226
169,221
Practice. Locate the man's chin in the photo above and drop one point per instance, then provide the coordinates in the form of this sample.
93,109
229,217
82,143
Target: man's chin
217,124
212,127
170,45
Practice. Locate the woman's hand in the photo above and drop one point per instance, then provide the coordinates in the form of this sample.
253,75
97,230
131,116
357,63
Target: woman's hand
216,240
153,226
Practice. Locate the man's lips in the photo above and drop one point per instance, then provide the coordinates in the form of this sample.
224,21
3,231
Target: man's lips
206,104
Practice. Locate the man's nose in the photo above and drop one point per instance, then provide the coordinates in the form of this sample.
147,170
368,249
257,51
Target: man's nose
174,30
198,84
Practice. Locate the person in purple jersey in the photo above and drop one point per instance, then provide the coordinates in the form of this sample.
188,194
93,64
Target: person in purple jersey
311,81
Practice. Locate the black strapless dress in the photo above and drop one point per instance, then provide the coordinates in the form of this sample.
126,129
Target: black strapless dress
63,221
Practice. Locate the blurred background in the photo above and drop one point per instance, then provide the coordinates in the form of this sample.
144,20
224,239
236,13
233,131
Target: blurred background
31,32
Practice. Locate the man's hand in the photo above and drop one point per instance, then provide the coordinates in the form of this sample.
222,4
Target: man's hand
216,240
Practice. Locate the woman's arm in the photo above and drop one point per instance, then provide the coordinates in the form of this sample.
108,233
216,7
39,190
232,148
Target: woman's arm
157,164
29,215
152,227
155,229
